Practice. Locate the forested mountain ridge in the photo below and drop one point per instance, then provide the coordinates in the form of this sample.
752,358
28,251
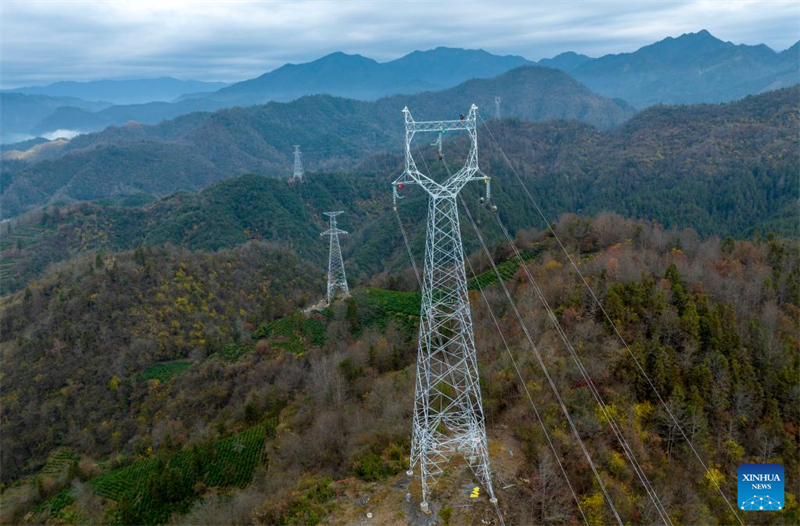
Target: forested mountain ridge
712,323
721,169
200,148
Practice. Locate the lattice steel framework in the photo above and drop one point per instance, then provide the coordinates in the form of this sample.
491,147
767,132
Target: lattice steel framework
497,108
337,280
297,173
448,411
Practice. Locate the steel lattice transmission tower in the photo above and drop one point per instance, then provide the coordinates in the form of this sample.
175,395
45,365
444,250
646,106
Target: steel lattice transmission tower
448,411
337,280
497,108
298,164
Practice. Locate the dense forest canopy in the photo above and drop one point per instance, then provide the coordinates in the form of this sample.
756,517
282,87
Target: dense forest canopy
207,347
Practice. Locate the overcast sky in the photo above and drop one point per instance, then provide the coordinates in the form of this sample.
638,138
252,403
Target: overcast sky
48,40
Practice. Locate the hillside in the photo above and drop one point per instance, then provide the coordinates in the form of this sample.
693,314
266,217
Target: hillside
199,148
140,385
692,68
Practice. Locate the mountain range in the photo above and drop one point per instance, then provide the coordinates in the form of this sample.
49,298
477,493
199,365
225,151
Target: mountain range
692,68
358,77
162,362
199,148
695,67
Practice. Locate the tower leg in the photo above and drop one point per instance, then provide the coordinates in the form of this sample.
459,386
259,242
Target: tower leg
448,411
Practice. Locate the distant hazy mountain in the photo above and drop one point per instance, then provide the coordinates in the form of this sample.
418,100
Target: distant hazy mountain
446,67
689,69
565,61
339,74
357,77
530,93
19,113
69,117
133,91
195,149
695,67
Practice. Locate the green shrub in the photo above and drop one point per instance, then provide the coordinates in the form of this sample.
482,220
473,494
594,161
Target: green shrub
163,371
446,513
370,467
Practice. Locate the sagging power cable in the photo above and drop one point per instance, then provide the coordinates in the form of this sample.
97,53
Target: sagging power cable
544,368
527,392
611,322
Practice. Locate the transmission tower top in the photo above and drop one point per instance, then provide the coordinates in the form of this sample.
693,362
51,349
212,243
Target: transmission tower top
453,184
497,108
337,280
298,164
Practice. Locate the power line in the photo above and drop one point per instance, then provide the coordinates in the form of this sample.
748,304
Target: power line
408,246
543,366
527,392
530,340
614,326
589,382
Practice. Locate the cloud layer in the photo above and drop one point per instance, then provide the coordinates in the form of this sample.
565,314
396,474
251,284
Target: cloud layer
48,40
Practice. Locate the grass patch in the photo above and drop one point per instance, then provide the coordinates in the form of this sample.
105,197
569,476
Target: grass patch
235,350
163,371
379,306
294,333
56,503
507,270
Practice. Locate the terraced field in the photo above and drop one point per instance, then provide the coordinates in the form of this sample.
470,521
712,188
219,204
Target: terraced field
59,462
56,503
294,333
148,487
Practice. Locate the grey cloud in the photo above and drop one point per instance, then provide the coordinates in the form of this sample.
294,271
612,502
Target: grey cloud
45,41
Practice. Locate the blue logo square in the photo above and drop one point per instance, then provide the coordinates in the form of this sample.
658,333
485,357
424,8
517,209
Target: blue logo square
761,487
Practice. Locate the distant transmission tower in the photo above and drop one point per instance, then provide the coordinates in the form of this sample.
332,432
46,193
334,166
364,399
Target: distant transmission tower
298,164
448,411
497,108
336,276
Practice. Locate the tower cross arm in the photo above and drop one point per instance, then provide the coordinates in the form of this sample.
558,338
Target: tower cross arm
466,123
333,231
411,175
